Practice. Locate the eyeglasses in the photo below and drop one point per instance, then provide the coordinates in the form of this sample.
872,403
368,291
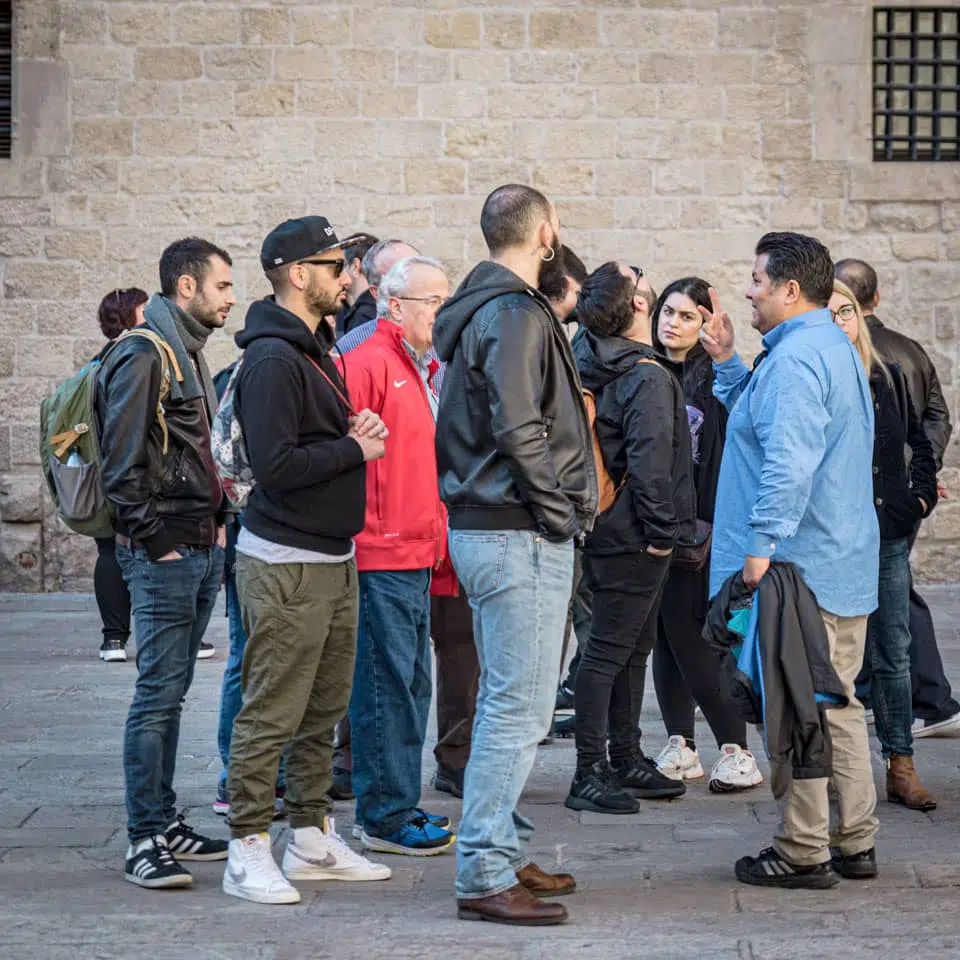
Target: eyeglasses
434,301
847,312
338,265
639,272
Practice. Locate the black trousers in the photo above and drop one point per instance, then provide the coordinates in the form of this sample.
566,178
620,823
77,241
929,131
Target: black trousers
578,620
609,690
932,697
458,678
113,597
686,669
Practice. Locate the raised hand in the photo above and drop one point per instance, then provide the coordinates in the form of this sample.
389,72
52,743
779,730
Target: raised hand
716,334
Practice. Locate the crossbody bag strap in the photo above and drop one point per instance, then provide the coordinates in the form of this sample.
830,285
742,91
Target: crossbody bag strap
340,395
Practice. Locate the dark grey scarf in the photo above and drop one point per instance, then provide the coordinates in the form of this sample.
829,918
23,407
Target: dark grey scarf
187,336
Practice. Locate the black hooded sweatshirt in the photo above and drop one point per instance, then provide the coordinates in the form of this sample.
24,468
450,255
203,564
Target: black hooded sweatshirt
310,476
513,443
645,439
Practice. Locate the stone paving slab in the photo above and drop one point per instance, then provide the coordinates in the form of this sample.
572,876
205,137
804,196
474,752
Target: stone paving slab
657,885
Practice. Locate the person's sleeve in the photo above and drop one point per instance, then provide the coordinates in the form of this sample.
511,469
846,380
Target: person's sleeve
790,419
648,427
936,418
512,356
270,396
923,464
131,391
729,380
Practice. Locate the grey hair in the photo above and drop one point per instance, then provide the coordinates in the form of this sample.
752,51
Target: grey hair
397,280
369,264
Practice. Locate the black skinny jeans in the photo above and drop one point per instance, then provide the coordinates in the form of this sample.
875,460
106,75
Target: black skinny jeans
609,692
686,669
113,598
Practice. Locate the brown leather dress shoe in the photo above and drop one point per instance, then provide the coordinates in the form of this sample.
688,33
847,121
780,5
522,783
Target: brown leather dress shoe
543,884
517,906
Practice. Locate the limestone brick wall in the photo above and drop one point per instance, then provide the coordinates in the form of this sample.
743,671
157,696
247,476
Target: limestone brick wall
671,133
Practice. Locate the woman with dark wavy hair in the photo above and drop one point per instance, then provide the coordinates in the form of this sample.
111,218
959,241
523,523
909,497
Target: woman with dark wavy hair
119,310
685,670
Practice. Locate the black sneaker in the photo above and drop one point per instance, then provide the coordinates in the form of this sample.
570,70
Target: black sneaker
206,651
769,869
150,864
186,844
566,728
854,866
597,789
550,737
448,781
112,651
564,700
643,779
342,787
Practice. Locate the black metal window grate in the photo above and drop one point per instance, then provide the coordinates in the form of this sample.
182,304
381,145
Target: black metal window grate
916,83
6,77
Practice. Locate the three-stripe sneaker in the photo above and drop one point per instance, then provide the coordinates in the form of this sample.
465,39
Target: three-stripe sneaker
150,864
769,869
597,789
186,844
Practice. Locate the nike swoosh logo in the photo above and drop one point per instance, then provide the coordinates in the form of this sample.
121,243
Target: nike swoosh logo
328,860
399,383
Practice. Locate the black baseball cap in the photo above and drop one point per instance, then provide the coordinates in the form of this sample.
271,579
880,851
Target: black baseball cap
299,239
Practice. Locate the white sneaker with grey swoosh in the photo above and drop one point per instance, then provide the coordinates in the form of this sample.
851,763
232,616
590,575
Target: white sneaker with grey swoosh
315,854
253,874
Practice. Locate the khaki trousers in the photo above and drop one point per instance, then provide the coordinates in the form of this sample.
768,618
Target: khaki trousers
804,836
301,623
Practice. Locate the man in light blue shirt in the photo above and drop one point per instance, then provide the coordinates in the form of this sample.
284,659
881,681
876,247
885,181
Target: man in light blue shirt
796,486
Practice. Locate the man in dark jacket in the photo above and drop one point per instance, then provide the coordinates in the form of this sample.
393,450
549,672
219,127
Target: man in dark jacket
644,438
935,710
161,478
296,575
361,304
513,459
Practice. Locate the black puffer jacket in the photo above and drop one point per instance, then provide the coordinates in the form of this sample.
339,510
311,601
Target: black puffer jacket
644,436
163,500
513,443
898,489
310,476
922,382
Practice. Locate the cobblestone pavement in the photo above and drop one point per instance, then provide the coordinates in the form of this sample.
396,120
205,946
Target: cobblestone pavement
657,885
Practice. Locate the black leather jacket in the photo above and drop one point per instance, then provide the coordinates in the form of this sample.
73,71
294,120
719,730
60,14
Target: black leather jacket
897,488
162,500
513,443
644,435
922,382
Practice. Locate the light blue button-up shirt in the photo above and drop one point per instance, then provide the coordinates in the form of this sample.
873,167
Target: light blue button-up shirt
796,481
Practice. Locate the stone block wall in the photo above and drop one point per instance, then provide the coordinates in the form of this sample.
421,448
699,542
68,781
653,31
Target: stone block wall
671,133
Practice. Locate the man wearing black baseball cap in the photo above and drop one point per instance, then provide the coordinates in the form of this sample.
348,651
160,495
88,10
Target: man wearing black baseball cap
296,574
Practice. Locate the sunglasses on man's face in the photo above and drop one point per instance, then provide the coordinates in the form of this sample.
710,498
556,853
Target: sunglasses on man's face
338,265
639,272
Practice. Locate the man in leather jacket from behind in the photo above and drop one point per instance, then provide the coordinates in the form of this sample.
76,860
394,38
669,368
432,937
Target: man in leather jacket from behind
513,457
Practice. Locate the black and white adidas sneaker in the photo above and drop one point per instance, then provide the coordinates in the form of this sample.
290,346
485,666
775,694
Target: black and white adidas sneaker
597,789
769,869
150,864
186,844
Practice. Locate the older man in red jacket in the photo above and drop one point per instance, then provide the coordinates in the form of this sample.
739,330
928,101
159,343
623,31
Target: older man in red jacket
403,542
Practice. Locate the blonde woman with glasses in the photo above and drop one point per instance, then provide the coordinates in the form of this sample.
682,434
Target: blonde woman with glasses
903,494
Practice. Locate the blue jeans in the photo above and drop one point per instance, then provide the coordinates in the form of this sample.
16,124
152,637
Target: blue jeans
171,604
390,702
519,588
888,651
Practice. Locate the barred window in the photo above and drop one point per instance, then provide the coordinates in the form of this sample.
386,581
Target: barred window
6,77
916,83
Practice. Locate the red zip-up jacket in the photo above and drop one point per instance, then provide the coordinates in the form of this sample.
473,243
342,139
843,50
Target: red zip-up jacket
405,526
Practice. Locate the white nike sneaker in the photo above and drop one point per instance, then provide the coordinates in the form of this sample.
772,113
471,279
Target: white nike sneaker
678,761
315,854
253,874
735,770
